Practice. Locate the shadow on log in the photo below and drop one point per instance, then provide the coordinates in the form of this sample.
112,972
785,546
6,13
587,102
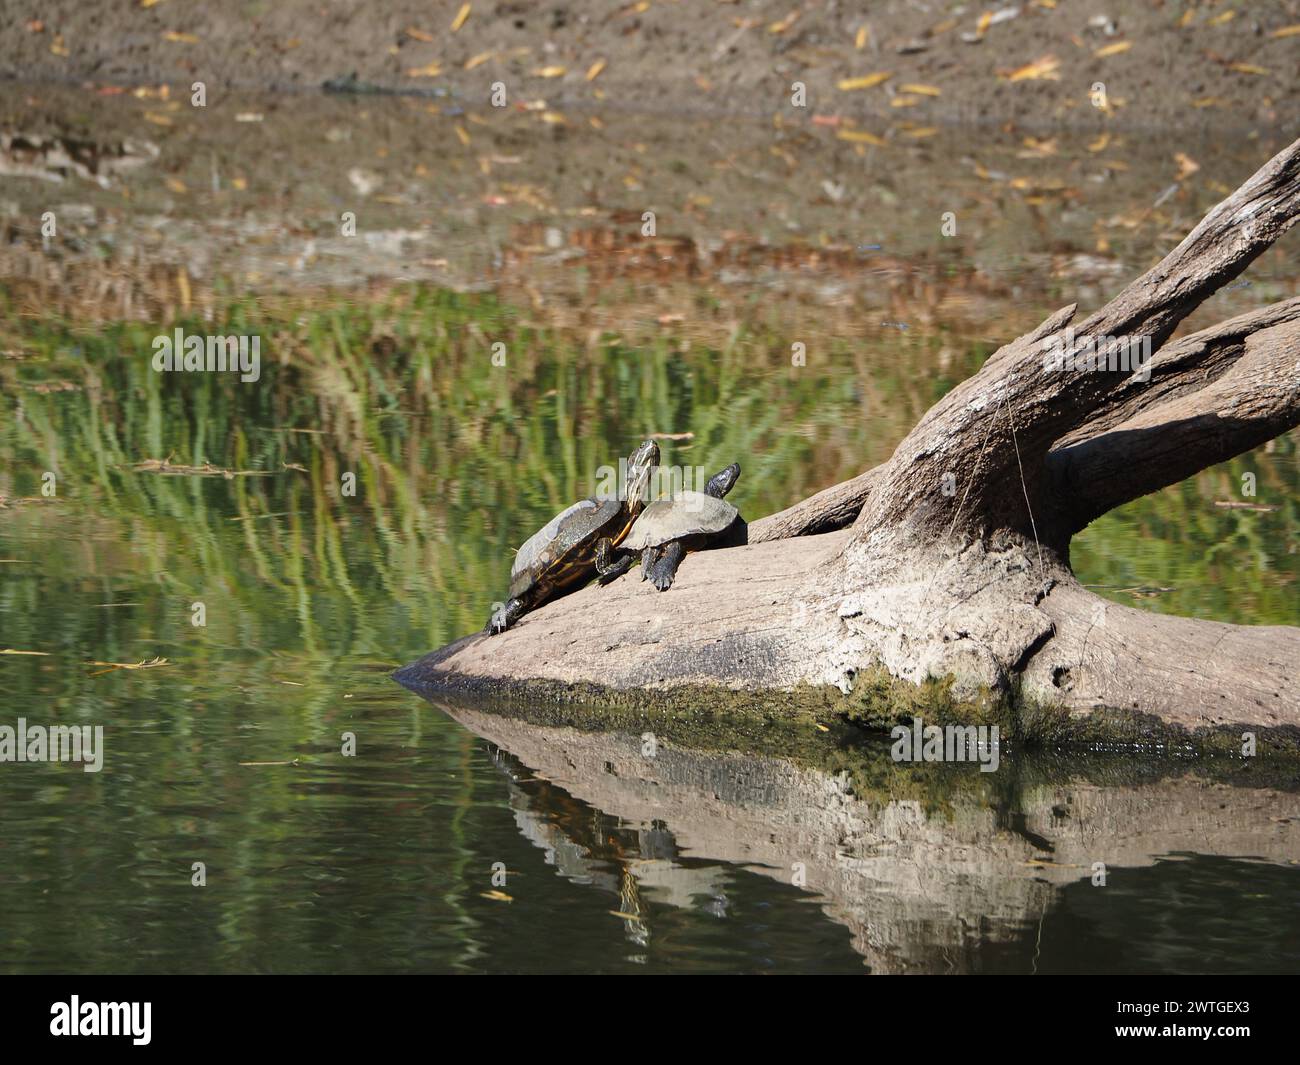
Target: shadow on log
948,566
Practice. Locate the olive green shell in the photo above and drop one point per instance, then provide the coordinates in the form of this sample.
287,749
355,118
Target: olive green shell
686,514
549,550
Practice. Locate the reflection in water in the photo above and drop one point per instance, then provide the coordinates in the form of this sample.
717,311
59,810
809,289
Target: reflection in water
1198,876
636,866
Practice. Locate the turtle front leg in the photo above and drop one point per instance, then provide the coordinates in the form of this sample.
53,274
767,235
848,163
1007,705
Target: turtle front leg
505,616
665,569
648,557
607,567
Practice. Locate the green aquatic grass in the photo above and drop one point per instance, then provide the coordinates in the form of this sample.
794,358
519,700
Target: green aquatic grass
457,461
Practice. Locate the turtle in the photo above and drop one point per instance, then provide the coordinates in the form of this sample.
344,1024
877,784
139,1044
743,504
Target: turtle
668,528
571,548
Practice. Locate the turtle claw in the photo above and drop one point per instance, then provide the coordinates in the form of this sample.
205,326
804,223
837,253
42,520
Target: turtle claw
665,568
503,616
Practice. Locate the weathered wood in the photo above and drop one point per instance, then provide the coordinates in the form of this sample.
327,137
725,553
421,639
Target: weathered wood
1187,672
1253,396
992,433
831,508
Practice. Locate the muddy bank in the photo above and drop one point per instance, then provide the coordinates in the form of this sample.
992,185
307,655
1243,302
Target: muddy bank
159,203
898,68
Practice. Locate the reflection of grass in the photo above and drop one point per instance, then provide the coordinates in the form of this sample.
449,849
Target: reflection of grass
457,461
1231,565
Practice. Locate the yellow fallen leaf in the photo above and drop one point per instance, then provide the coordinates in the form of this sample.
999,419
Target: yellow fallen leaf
1286,31
593,71
478,60
863,35
1099,145
430,71
1038,149
1219,20
460,18
865,82
784,24
419,35
1047,67
177,186
553,118
463,135
157,119
985,21
239,184
550,72
149,3
917,134
1186,165
11,651
904,101
1112,49
861,137
495,896
625,916
921,90
1207,101
1247,68
57,46
180,38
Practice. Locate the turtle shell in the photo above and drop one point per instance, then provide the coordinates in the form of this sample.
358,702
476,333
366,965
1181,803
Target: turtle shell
686,514
553,544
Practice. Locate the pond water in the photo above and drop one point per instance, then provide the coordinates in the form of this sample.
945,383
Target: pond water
224,575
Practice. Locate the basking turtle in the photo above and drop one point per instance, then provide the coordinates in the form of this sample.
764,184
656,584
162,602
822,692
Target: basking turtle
668,528
572,547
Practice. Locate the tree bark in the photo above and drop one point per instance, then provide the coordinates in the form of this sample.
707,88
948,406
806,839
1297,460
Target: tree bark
956,565
828,510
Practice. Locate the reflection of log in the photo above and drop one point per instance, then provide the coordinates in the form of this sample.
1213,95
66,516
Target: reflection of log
957,565
918,891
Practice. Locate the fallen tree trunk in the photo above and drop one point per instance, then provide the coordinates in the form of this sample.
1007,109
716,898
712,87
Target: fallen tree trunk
956,565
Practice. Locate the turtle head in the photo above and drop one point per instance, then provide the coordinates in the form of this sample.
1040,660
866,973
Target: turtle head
640,466
723,481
